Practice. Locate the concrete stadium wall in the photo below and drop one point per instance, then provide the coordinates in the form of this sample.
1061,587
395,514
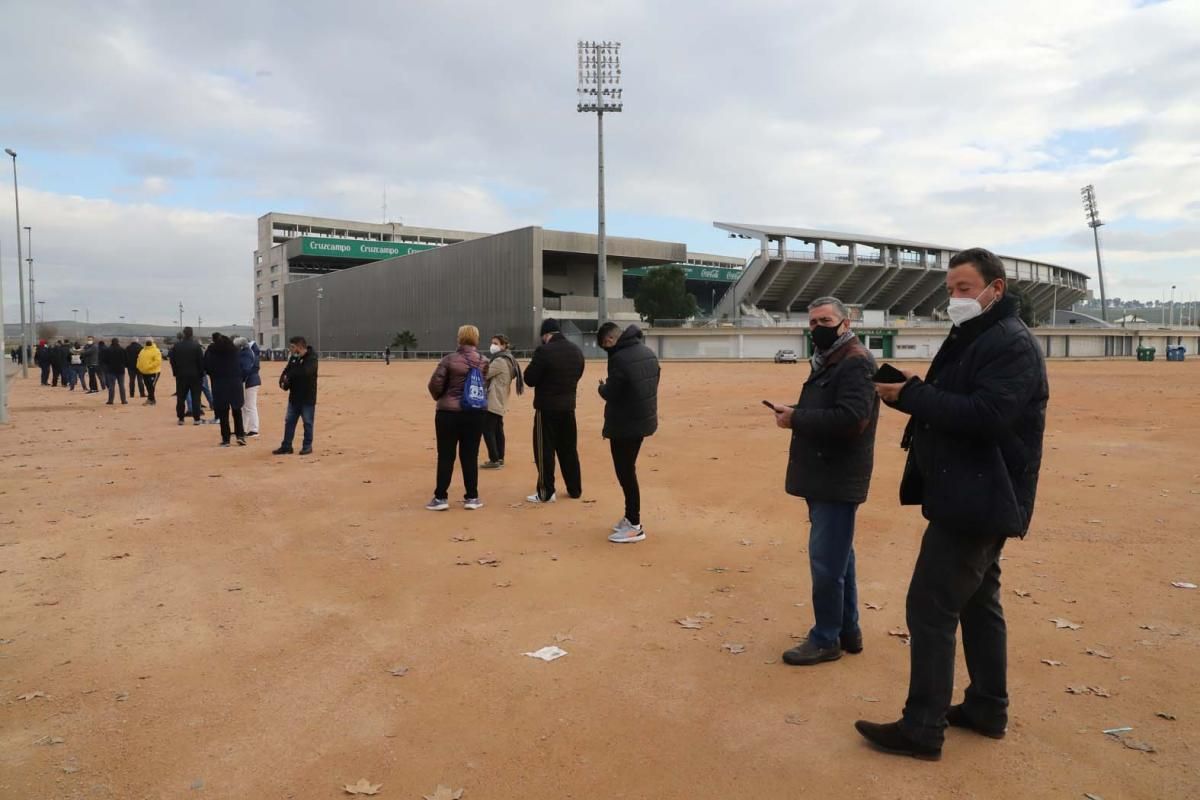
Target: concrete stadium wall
493,283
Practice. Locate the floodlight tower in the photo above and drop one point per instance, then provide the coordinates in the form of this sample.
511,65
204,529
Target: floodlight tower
1092,212
599,91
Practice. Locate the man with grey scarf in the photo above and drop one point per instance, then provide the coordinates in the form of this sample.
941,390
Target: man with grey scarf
829,465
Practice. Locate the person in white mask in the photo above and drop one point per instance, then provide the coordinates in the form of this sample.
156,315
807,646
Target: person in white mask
502,374
974,441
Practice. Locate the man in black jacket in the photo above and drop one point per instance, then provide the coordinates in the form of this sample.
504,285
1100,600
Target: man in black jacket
829,464
187,364
630,415
554,373
974,445
299,380
136,379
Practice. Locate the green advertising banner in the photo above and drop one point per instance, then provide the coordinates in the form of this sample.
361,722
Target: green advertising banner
357,249
692,272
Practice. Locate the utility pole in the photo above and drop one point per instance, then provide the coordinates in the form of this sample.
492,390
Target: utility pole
180,315
25,326
3,350
29,263
1092,212
320,296
599,91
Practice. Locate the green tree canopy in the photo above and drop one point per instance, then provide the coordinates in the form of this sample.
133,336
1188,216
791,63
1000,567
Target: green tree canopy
406,340
663,295
1024,307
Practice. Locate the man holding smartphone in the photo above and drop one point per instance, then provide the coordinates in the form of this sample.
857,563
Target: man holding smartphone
829,465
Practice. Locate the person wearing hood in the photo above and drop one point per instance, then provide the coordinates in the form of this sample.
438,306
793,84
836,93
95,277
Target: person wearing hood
149,364
136,379
113,361
554,373
90,357
503,371
974,441
187,364
630,415
248,356
830,461
223,364
458,420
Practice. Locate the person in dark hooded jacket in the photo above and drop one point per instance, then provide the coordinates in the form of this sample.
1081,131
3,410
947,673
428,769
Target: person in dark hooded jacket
974,441
136,379
187,363
112,360
223,364
630,415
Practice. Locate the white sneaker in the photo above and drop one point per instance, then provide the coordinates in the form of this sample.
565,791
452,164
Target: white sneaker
535,499
627,534
472,504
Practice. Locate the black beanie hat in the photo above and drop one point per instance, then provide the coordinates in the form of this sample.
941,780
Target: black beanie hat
550,326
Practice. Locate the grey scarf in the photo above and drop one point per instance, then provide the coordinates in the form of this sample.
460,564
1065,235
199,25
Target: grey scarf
819,357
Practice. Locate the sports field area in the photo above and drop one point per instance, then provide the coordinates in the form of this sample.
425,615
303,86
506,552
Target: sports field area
183,620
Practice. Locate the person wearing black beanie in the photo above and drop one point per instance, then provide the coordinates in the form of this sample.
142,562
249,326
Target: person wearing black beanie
554,373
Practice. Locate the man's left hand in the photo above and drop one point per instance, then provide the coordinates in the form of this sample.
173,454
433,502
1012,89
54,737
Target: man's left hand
890,392
783,416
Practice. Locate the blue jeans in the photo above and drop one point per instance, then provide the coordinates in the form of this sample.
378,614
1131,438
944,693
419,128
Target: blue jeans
295,412
831,560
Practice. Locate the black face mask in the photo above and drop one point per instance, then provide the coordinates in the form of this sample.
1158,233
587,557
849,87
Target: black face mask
824,336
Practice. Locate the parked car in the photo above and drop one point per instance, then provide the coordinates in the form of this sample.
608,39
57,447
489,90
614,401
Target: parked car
787,357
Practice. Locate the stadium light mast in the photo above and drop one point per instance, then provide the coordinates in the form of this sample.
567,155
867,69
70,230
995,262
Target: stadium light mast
599,91
3,350
1092,212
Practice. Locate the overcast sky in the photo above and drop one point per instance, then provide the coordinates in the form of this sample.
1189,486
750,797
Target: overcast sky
151,135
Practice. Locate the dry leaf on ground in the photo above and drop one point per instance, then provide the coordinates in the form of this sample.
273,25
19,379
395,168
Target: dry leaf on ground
462,538
1021,593
31,696
488,561
398,670
1061,623
1095,651
874,606
1165,715
1176,584
1134,744
47,739
363,787
1051,662
53,558
691,623
734,648
795,719
445,793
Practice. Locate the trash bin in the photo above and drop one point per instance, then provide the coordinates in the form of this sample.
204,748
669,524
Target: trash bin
1145,353
1175,353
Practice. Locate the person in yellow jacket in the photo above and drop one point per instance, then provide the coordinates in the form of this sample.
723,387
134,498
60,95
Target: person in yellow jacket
149,363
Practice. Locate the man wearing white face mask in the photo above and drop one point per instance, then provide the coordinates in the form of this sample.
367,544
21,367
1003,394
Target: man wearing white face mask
974,445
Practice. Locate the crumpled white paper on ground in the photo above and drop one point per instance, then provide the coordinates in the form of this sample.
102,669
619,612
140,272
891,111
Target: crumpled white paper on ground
548,653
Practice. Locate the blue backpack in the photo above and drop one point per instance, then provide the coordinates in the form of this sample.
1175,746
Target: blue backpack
474,395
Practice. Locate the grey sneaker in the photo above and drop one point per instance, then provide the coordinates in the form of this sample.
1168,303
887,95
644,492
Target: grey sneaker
472,503
491,465
437,505
627,533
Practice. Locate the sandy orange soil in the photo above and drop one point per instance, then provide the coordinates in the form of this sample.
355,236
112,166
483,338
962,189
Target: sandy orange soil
203,622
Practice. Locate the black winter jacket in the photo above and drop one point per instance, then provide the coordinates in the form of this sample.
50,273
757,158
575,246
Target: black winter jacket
554,373
223,363
631,391
299,379
833,429
975,437
187,359
131,356
113,359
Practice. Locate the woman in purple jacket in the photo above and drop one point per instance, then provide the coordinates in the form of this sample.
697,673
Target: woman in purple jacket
458,427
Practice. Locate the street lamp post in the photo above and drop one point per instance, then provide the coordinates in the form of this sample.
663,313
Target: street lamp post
320,297
32,296
42,311
26,328
75,321
1092,213
1172,323
3,349
599,91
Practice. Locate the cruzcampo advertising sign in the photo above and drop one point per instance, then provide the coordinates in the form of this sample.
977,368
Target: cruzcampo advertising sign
357,249
693,272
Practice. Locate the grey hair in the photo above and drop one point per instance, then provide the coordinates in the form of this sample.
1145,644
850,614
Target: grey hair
240,341
838,305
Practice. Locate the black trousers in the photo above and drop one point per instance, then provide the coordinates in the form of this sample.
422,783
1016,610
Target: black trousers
136,380
624,456
458,432
116,380
151,382
493,436
956,582
184,387
93,383
56,370
223,418
555,435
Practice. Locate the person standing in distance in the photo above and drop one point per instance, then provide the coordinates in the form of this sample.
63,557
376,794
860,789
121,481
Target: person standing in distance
974,441
299,380
630,415
502,373
136,379
829,465
554,373
114,368
187,364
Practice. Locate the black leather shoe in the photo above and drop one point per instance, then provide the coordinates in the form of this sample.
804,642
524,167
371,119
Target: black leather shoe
304,451
852,642
808,653
282,451
891,739
957,717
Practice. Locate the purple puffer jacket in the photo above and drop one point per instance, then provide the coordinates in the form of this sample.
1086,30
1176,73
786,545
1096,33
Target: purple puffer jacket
446,384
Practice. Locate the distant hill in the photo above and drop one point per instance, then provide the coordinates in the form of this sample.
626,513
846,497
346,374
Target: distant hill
122,330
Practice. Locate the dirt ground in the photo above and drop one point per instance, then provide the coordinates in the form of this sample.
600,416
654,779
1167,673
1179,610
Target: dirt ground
222,623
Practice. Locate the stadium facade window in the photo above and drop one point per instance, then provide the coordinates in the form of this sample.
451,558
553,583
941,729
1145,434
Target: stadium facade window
274,284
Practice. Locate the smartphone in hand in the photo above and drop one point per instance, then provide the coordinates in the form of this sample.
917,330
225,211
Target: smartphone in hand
769,405
888,374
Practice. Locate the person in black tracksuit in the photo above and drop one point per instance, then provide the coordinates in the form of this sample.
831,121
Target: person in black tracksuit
187,364
554,373
136,379
974,441
630,415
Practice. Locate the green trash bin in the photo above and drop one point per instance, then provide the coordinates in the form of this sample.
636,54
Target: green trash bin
1146,353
